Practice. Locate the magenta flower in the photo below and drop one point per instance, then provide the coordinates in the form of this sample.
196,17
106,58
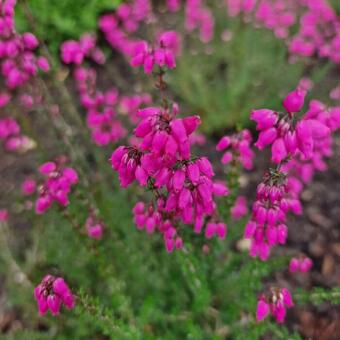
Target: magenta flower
276,303
29,187
51,293
197,16
3,215
302,264
240,208
163,54
74,52
276,196
294,100
316,26
288,138
56,186
94,227
238,148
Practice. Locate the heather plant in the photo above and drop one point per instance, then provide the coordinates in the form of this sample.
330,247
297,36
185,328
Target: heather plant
127,225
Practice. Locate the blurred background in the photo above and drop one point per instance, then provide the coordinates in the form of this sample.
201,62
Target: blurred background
127,279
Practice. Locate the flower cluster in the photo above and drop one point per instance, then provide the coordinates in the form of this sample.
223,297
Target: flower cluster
239,209
94,227
129,105
276,302
151,220
118,26
11,136
118,29
163,54
51,293
182,184
100,106
197,16
318,24
18,65
57,184
74,52
300,264
238,148
302,168
298,148
285,135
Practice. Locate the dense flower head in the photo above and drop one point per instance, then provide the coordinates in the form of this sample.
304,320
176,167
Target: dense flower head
276,302
56,187
51,293
162,162
300,264
238,149
299,148
164,139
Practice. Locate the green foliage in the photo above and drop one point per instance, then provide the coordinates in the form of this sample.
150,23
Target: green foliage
59,20
318,296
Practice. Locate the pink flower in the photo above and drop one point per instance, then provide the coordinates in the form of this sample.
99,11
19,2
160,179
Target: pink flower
276,303
276,196
266,137
173,5
56,186
302,264
94,227
264,118
294,265
51,293
295,100
262,310
239,149
279,152
29,186
240,208
3,215
163,54
199,17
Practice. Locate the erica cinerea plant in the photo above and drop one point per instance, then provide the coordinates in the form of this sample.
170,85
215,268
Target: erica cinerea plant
169,181
51,293
161,161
